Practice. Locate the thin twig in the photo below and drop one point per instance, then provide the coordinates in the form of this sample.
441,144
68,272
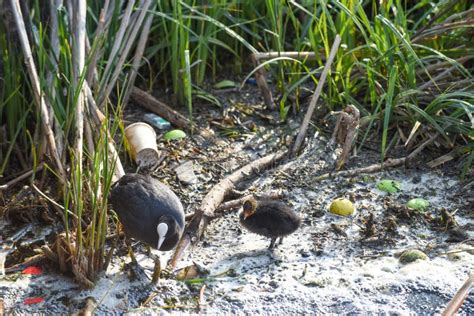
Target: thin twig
21,177
389,163
304,126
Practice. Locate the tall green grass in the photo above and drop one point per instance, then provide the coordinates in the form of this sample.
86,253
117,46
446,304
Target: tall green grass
387,65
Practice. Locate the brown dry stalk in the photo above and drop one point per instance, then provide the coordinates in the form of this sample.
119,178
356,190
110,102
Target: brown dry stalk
304,126
261,78
389,163
137,59
40,101
345,132
459,297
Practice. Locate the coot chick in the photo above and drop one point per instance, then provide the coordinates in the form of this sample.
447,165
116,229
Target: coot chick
148,210
269,218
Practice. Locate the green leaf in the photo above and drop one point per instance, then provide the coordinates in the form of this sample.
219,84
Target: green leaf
418,204
226,84
390,186
175,134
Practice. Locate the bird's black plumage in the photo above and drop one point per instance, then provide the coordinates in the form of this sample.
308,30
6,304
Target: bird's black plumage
141,203
269,218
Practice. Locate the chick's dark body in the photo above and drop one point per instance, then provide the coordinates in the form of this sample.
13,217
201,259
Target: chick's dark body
271,219
141,202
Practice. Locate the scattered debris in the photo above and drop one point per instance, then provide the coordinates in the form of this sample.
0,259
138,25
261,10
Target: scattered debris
185,173
157,121
33,300
142,140
32,270
418,204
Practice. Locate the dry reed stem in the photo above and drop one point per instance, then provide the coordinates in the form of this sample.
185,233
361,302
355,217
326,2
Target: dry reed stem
40,101
304,126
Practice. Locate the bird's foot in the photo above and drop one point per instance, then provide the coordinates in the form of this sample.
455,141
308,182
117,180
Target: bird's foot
280,241
272,243
167,273
156,271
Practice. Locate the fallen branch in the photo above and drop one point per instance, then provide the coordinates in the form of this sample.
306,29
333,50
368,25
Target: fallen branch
389,163
149,102
214,198
459,297
304,126
28,262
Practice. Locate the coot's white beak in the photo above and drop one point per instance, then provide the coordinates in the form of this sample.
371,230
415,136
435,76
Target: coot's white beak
161,229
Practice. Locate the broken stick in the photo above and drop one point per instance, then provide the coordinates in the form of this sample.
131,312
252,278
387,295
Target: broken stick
214,198
389,163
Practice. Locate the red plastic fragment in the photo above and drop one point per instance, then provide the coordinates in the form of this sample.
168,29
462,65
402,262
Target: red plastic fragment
33,300
33,270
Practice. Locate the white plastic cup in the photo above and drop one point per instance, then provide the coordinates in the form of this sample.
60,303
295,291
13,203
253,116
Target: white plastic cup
142,140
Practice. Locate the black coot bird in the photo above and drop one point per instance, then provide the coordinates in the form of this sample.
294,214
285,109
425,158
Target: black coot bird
148,210
269,218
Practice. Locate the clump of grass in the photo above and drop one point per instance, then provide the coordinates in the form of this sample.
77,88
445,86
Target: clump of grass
73,72
406,66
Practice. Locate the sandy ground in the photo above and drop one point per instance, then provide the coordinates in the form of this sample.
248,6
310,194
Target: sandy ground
314,271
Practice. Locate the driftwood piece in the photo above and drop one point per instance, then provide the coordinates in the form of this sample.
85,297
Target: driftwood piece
150,103
214,198
459,297
312,105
